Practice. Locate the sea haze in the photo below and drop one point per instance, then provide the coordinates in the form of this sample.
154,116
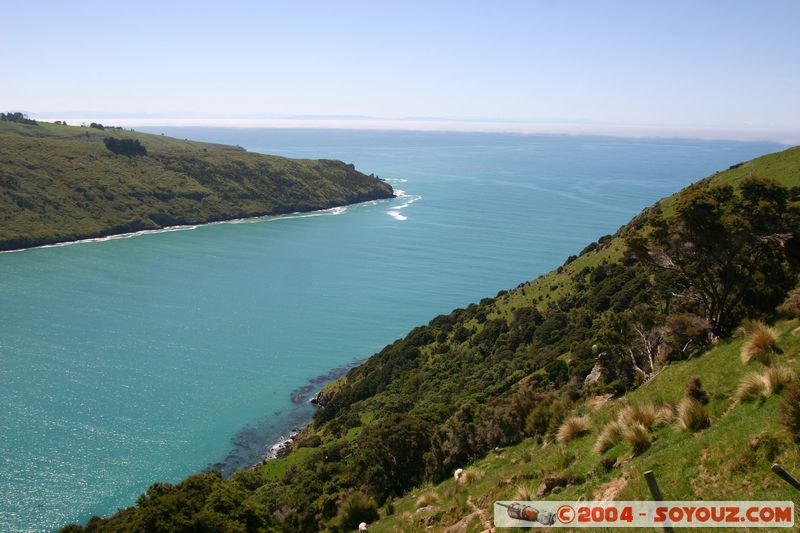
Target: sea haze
145,359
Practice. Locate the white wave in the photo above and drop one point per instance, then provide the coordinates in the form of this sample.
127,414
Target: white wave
395,180
394,211
266,218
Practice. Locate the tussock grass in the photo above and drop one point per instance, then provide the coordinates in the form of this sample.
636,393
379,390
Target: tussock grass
469,477
637,436
764,384
525,493
751,386
776,378
644,414
609,437
571,428
692,415
429,498
760,344
665,415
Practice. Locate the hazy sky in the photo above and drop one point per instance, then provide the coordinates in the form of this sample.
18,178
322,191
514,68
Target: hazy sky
695,64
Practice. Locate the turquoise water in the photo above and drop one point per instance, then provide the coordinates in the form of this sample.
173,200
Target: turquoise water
135,360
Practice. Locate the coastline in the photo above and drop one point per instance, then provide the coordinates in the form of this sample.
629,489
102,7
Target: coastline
136,231
257,443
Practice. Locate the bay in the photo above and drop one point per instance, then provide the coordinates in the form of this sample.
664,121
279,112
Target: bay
144,359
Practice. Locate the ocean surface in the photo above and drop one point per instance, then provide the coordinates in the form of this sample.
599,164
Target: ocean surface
130,361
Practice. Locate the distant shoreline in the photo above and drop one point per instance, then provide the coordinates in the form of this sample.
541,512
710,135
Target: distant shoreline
111,235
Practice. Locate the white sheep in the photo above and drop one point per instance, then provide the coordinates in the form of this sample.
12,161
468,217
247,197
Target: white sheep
362,527
457,474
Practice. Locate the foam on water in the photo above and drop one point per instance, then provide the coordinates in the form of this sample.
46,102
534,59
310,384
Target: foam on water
408,199
333,211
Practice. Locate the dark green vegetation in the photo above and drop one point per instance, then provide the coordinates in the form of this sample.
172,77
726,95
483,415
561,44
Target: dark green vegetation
625,356
129,147
62,183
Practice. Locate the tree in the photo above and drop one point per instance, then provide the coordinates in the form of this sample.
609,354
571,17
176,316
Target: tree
725,247
17,117
633,339
129,147
389,457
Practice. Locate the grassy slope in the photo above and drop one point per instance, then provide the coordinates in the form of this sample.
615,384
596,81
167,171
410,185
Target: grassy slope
60,183
729,460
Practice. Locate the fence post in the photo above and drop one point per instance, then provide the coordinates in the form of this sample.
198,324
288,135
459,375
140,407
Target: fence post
654,490
786,476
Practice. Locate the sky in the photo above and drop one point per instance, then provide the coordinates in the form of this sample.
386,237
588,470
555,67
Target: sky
729,68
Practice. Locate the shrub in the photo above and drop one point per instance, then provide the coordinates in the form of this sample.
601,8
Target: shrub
692,415
637,436
129,147
609,437
429,498
791,306
571,428
694,389
354,509
790,410
760,345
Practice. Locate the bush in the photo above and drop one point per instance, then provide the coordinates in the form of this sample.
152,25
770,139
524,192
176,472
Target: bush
694,390
791,306
354,509
692,415
571,428
790,410
129,147
760,345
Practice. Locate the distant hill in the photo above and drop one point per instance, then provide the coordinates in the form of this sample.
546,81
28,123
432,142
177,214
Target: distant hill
650,349
62,183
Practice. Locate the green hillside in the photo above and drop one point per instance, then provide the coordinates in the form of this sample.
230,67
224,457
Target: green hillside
61,183
518,389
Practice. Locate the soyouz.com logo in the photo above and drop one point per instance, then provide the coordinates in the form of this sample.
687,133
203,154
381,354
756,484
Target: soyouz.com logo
753,514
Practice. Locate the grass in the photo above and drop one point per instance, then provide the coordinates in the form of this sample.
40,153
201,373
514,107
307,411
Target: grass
427,499
60,183
760,344
692,415
728,460
762,385
637,435
571,428
609,437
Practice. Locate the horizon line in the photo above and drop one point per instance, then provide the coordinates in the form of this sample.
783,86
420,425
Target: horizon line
430,124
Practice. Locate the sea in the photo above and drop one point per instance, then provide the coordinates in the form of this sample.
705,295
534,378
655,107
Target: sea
146,358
